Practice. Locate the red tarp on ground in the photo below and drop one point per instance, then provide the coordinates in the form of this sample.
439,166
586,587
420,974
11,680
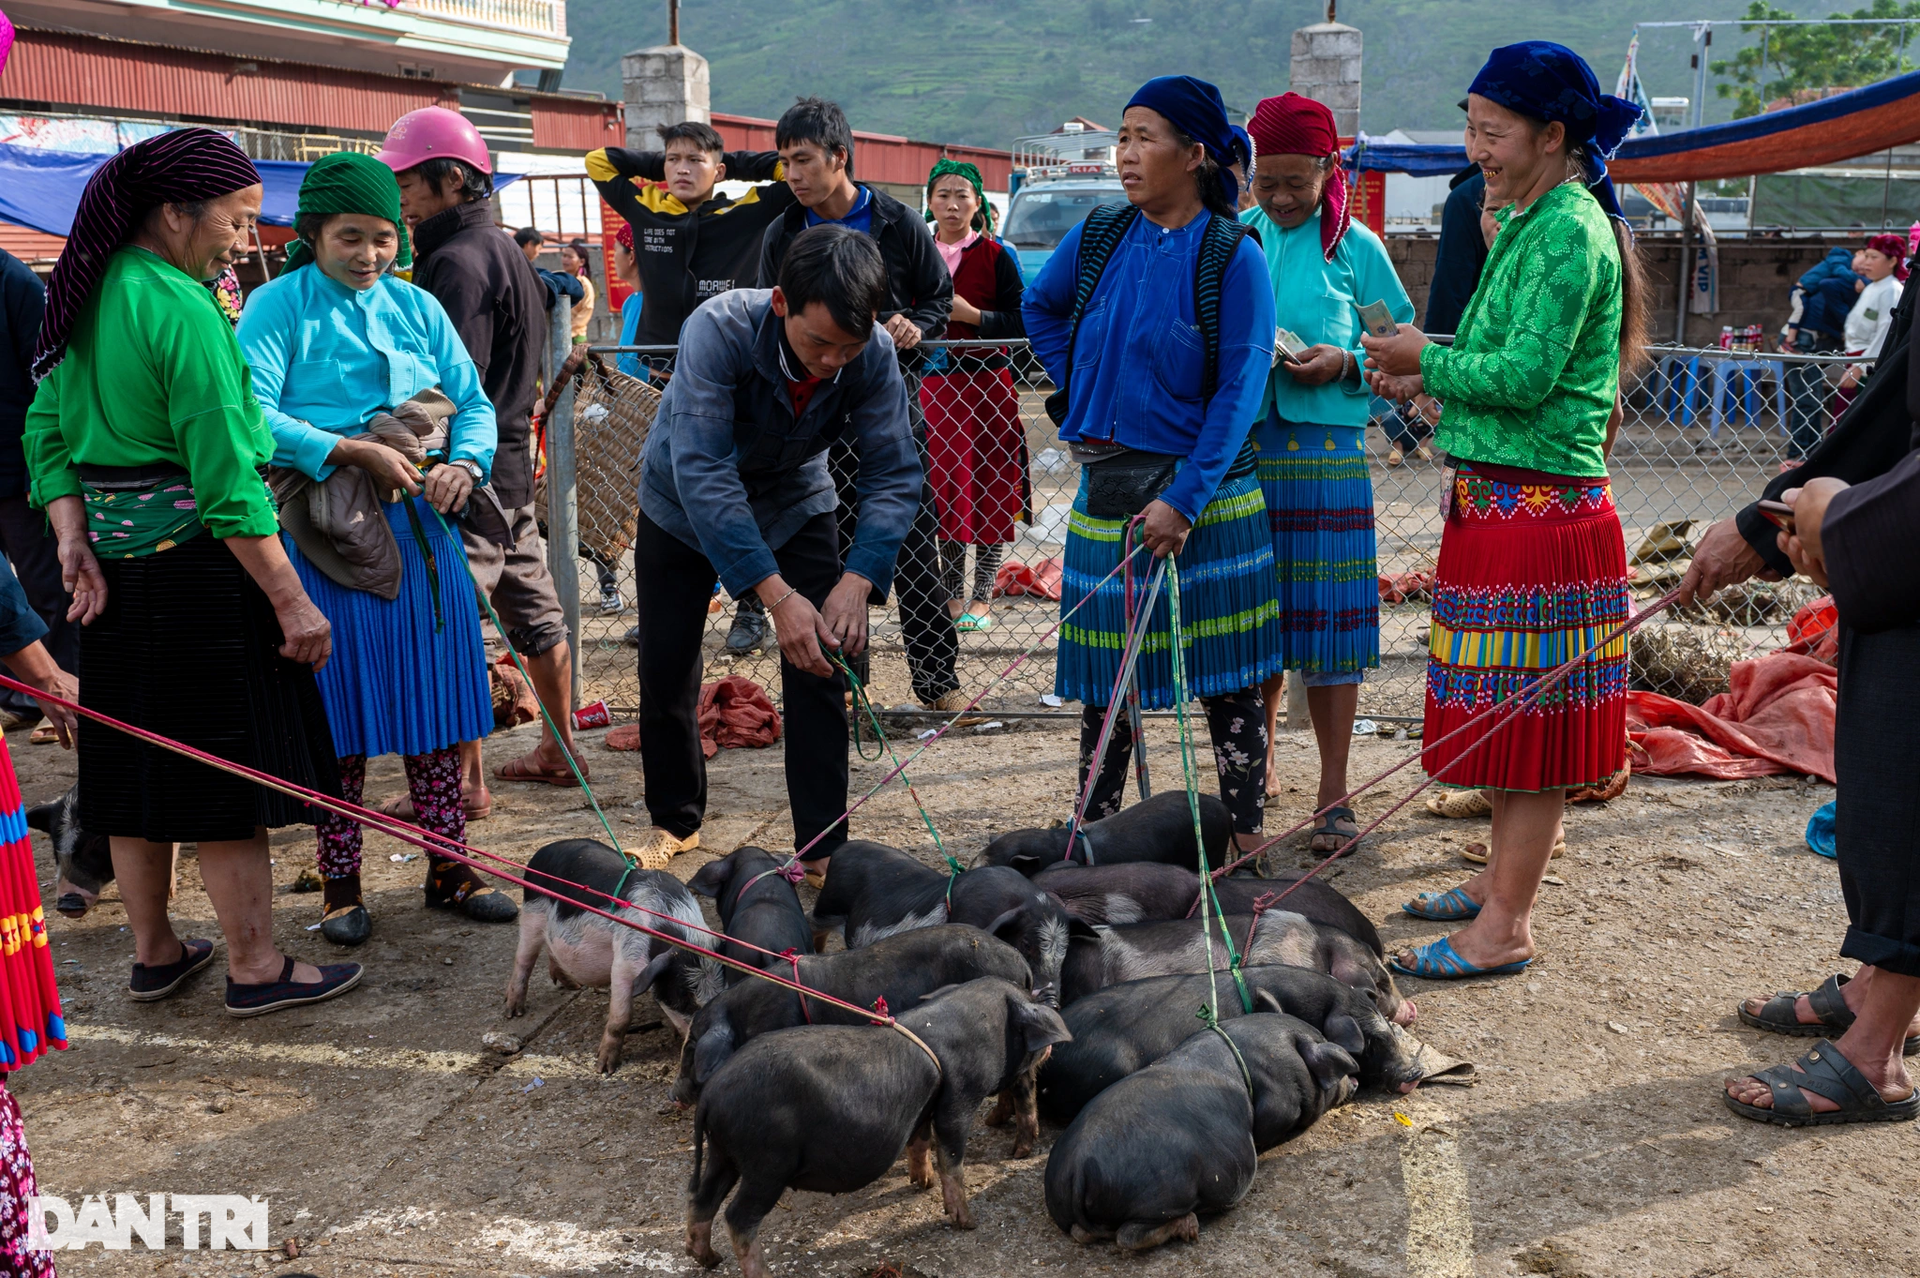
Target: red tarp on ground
1777,716
1041,580
735,713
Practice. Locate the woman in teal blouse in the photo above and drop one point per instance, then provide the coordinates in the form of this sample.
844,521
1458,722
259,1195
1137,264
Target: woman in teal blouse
1311,432
334,342
1532,566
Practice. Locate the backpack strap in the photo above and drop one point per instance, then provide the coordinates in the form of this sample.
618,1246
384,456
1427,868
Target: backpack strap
1104,229
1217,245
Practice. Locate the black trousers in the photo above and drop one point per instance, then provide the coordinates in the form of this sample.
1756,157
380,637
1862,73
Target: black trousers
1877,819
1237,723
673,583
926,627
34,552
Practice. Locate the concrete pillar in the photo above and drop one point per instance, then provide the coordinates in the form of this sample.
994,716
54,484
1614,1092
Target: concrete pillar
663,85
1326,68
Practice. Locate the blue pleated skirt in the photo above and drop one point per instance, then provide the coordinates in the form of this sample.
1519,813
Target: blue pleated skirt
395,683
1320,506
1229,618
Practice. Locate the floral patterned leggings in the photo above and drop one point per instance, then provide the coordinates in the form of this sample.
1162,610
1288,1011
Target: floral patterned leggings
17,1187
1237,722
433,782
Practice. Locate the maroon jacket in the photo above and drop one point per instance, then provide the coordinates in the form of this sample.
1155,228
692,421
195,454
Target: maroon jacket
989,278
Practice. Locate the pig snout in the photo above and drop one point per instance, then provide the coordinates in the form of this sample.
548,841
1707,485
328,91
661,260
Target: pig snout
1407,1012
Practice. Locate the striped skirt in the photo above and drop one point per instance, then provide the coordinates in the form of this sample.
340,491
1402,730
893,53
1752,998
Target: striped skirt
1533,570
1229,620
400,681
1320,504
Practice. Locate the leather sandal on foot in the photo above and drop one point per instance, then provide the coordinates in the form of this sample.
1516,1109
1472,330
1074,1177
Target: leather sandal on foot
1329,828
661,847
148,984
274,996
1776,1016
1823,1072
527,768
478,807
1477,852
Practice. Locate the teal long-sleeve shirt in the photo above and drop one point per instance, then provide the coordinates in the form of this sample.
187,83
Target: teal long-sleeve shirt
326,358
1315,299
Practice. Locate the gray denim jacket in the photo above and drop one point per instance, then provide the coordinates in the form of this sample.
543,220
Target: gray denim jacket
728,470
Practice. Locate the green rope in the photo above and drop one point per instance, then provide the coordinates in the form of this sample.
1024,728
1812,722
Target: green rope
864,702
552,727
1211,913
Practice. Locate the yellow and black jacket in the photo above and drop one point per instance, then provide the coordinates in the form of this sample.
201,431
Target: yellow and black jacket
687,255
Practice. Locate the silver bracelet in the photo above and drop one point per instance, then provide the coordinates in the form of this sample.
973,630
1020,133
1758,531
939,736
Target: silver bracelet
791,592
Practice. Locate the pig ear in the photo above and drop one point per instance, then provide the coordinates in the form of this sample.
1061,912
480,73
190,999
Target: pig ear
653,970
1077,926
1327,1062
1006,922
1266,996
712,878
1025,862
41,818
712,1051
1040,1024
944,989
1343,1030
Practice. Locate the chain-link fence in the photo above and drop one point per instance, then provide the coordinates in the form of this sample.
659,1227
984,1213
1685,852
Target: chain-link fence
1704,430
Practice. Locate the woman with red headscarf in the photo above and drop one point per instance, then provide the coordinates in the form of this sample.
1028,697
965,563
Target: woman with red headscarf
1311,431
1883,265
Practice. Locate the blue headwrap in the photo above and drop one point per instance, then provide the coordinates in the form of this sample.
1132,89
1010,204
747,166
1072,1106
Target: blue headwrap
1550,82
1194,107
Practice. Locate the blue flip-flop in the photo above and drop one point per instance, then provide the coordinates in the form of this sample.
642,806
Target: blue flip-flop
1443,907
1436,961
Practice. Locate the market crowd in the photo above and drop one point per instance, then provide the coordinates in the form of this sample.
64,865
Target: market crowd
261,534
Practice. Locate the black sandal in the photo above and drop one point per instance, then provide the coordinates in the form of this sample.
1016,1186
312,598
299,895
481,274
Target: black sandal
1824,1072
1329,827
1827,1003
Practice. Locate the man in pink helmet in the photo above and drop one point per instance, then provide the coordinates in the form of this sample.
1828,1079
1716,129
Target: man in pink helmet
498,304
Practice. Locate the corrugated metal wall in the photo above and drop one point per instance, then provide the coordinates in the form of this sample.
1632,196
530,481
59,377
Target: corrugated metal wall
571,124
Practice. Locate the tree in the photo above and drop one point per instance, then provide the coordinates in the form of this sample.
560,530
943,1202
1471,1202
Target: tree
1796,60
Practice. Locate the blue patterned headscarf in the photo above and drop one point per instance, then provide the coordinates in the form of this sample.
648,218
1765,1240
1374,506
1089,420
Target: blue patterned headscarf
1551,83
1194,107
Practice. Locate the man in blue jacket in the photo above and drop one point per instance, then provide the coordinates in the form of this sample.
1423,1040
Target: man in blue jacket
735,486
1816,326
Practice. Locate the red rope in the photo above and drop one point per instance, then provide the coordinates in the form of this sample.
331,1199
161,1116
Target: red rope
443,846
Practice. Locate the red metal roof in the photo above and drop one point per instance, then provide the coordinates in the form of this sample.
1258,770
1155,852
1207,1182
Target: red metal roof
878,157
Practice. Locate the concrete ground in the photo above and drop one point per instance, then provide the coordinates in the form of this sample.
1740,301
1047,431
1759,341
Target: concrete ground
391,1141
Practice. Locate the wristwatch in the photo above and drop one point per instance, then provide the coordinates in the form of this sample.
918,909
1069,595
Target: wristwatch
471,466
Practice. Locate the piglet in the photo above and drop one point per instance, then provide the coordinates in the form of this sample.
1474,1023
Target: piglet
754,893
1180,1139
828,1108
586,950
84,859
1147,892
1155,829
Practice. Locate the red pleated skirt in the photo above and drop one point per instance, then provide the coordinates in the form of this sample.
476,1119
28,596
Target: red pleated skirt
976,454
1533,571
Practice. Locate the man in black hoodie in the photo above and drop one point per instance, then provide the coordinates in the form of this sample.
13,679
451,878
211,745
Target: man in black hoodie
498,306
816,154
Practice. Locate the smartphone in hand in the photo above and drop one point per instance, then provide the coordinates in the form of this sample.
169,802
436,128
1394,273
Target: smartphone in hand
1377,319
1777,513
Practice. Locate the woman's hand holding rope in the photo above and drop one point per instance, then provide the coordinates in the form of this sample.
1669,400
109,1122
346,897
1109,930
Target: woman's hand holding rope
448,488
1163,530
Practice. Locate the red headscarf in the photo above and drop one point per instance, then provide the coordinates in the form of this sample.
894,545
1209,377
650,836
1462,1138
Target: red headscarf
1293,125
624,236
1894,247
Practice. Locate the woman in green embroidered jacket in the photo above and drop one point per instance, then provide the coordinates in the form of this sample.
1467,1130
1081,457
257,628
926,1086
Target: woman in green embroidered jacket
145,444
1532,566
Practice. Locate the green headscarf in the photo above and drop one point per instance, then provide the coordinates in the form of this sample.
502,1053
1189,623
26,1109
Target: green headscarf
349,182
983,220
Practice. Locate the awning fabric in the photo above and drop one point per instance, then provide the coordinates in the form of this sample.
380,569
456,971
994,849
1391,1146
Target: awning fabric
41,188
1855,123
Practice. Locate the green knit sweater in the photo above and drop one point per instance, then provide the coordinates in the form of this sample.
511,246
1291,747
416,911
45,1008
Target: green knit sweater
1530,378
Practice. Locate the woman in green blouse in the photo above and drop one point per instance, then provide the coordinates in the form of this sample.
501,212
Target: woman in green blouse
145,444
1532,564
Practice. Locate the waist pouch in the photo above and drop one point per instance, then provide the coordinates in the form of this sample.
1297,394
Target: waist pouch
1119,487
133,511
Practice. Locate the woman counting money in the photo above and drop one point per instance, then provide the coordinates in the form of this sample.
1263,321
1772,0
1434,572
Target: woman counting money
1159,394
1532,565
1311,432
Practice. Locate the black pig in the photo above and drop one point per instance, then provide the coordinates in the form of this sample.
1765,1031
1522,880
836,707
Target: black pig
1147,892
874,891
84,860
1180,1139
828,1108
757,905
1155,829
1125,1028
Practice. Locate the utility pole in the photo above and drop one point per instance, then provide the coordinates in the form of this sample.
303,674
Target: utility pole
1702,43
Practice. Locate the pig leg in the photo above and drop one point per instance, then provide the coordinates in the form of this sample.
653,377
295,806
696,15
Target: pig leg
711,1186
1140,1235
1002,1112
533,939
1026,1111
919,1148
820,941
758,1195
953,1188
619,1009
1086,1237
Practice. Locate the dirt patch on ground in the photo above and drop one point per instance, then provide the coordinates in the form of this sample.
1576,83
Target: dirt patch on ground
391,1141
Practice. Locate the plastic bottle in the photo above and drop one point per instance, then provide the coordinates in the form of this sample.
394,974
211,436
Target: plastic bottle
1726,337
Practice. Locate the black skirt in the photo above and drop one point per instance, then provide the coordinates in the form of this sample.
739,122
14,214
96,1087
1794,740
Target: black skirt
188,648
1878,805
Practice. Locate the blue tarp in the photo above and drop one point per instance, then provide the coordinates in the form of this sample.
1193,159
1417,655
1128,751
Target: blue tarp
41,188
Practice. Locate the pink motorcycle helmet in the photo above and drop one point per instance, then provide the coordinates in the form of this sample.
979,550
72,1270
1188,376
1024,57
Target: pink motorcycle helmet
433,133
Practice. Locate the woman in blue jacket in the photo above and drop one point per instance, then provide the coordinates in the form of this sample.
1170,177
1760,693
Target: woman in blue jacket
1161,431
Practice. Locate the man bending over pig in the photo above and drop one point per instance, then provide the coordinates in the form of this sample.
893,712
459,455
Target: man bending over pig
734,485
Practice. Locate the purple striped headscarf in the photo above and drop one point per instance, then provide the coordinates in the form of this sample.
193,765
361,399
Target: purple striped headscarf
173,168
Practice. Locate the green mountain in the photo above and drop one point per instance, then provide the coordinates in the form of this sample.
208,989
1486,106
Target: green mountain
986,71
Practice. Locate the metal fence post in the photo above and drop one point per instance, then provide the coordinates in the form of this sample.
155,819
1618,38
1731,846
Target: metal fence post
563,526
